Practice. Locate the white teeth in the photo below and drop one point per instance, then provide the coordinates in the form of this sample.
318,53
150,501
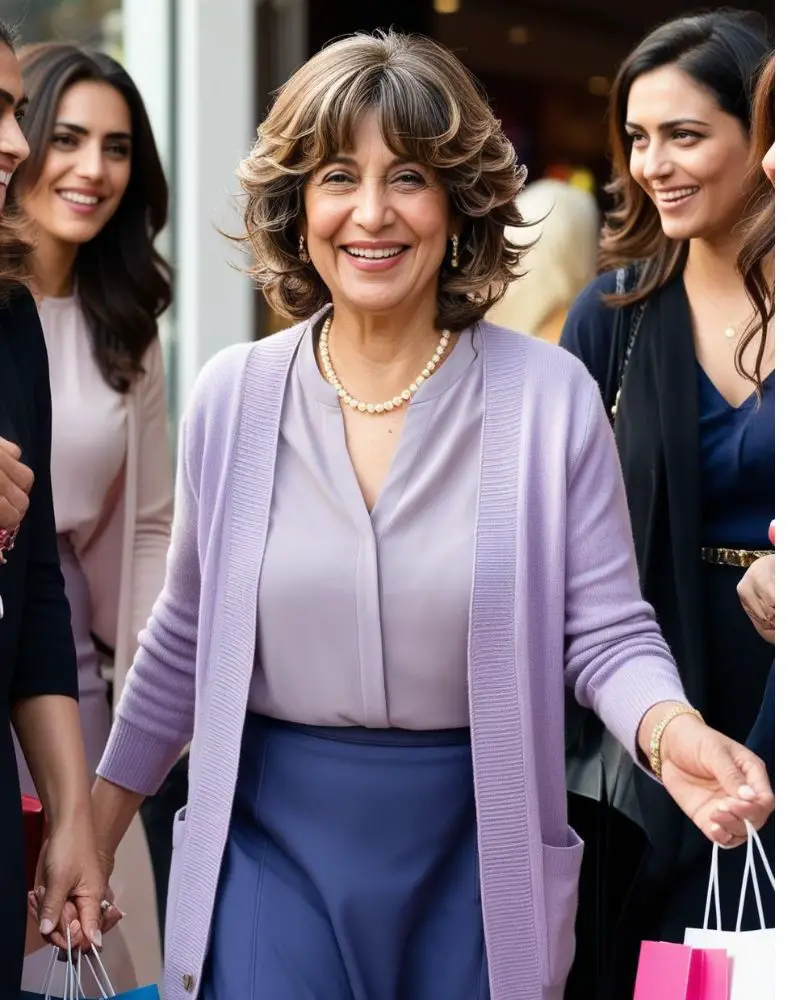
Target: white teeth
373,254
5,177
677,194
79,199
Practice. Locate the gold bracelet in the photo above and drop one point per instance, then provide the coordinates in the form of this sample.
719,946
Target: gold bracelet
658,732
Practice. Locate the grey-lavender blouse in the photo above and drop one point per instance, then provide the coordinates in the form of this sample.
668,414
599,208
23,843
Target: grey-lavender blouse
363,617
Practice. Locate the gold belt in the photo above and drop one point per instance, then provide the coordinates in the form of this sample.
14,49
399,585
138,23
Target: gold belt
733,557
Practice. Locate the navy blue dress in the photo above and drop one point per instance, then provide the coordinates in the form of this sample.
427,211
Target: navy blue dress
737,475
738,460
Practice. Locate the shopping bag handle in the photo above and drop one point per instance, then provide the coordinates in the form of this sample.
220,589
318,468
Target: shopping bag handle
71,978
749,874
73,990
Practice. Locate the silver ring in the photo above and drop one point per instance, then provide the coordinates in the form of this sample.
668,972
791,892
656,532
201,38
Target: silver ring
105,906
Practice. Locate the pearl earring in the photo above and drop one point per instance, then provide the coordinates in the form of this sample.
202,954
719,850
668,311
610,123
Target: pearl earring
454,257
302,253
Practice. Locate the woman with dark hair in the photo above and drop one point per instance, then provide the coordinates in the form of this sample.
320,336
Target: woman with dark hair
665,332
94,198
757,265
38,680
377,800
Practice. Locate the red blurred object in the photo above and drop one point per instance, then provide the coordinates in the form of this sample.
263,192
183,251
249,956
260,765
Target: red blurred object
33,819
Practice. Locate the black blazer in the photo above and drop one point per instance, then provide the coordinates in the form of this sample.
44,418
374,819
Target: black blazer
37,653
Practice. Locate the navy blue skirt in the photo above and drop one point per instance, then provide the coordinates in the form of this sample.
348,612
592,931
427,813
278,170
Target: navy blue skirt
351,871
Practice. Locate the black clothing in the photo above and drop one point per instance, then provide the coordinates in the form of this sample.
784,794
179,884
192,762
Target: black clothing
37,654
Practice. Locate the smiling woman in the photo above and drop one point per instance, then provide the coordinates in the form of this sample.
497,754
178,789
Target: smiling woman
400,529
665,332
96,194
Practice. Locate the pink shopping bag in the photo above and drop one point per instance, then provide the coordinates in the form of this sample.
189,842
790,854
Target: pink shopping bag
676,972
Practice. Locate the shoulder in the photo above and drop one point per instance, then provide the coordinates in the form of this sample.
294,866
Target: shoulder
588,330
19,318
218,391
22,331
590,311
547,366
559,398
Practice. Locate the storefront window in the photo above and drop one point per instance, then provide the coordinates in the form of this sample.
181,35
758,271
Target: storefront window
94,23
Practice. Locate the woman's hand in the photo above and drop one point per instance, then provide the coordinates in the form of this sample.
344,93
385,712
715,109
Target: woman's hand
717,782
16,481
70,886
110,914
756,591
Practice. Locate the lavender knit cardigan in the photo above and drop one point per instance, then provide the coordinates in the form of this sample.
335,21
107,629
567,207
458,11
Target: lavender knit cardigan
555,598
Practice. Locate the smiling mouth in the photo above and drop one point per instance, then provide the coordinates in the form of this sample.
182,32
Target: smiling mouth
384,253
5,177
80,199
676,196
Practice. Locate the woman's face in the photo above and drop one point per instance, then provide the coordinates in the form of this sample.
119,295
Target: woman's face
13,147
768,163
376,227
687,154
87,167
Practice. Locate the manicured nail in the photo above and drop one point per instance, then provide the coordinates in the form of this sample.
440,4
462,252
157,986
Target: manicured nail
715,827
75,928
746,792
46,927
97,938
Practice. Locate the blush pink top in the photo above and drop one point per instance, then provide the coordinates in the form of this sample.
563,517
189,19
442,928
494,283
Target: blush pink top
88,422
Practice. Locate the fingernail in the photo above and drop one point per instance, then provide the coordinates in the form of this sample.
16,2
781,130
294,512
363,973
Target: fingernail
46,927
40,893
746,792
75,928
97,938
715,828
122,913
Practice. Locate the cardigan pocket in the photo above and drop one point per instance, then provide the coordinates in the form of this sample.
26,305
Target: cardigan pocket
176,864
561,868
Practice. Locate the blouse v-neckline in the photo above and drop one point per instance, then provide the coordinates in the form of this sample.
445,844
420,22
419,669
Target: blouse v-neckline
415,427
723,400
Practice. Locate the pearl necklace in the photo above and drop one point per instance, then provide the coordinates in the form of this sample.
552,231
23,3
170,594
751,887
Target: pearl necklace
390,404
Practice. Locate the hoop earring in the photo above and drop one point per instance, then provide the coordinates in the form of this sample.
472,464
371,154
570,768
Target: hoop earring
454,256
302,253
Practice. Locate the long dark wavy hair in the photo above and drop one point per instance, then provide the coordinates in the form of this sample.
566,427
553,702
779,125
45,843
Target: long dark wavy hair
14,248
723,52
123,283
756,256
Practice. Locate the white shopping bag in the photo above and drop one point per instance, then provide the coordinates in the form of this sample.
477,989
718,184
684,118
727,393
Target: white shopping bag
751,953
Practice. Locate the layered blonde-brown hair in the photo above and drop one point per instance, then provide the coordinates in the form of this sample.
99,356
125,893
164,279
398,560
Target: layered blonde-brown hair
430,110
15,249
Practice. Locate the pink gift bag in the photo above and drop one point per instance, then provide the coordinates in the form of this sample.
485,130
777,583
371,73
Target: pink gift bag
676,972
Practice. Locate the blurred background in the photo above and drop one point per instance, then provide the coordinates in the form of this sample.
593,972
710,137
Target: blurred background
207,69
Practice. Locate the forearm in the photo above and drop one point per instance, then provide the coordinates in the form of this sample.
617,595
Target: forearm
113,808
49,732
